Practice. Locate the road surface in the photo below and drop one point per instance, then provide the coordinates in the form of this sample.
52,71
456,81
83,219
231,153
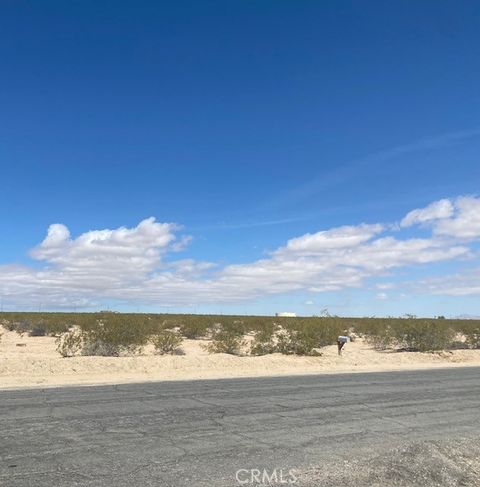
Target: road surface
199,433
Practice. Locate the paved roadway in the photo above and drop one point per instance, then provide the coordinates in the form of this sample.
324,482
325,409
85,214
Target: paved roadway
199,433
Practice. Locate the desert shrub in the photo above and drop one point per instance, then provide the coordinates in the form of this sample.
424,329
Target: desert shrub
70,343
292,339
284,340
166,341
100,348
234,326
473,340
9,325
115,336
259,324
226,341
380,337
306,342
23,326
38,330
471,331
422,336
305,336
297,342
194,328
58,325
263,343
325,330
380,341
128,332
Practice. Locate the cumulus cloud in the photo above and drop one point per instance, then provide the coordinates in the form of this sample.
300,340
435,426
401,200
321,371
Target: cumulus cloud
122,249
137,265
459,218
464,223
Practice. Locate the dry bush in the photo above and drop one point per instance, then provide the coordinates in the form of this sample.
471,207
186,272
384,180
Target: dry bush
167,341
38,330
70,343
99,348
381,338
473,339
470,329
226,341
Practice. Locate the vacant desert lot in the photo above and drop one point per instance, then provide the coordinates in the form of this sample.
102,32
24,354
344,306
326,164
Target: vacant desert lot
33,361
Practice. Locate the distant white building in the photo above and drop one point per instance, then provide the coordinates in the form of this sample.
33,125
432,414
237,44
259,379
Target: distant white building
286,314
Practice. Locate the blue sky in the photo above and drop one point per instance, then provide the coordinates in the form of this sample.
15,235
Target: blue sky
247,125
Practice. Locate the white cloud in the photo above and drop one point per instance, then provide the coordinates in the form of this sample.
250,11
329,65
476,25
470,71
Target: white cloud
435,211
107,250
461,284
459,218
134,264
465,223
385,285
341,237
382,296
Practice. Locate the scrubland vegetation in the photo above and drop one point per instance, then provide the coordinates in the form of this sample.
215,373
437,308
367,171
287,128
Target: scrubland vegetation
114,334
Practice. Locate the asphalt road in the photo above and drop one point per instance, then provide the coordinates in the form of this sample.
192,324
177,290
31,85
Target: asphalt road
200,433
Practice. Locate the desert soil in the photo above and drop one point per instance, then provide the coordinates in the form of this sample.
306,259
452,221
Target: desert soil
33,361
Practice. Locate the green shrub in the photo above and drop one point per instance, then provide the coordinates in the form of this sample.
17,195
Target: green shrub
128,332
380,338
225,341
194,329
166,341
263,343
303,341
422,336
297,342
116,336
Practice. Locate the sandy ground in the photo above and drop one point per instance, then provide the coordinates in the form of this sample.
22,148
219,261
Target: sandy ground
449,462
33,361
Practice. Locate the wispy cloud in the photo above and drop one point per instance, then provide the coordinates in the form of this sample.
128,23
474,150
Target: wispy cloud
263,223
460,284
342,174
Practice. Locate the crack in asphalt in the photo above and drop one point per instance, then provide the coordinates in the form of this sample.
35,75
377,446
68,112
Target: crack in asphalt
193,431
